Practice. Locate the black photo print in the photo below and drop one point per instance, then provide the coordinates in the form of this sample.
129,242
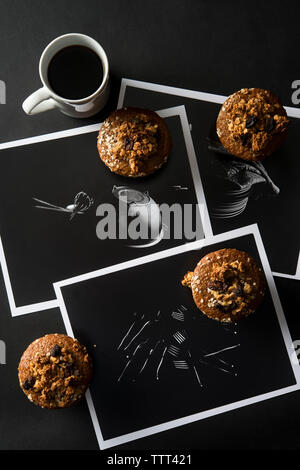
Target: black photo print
51,187
238,193
162,363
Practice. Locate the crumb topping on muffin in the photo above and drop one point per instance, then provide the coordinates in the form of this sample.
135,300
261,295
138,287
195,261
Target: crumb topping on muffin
54,372
133,140
226,285
228,288
254,118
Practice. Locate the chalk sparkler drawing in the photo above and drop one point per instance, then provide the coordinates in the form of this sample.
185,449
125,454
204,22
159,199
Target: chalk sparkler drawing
244,175
160,341
82,202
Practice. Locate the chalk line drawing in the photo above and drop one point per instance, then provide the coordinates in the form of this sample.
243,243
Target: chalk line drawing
82,202
243,175
157,341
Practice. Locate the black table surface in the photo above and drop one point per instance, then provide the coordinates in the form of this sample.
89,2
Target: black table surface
211,46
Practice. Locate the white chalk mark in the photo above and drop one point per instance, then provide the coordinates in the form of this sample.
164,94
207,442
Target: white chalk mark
126,335
138,333
173,350
130,360
181,365
160,362
179,337
218,368
195,370
221,350
150,354
178,316
197,376
178,187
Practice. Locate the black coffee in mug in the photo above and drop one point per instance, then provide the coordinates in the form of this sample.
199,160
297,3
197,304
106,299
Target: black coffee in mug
75,72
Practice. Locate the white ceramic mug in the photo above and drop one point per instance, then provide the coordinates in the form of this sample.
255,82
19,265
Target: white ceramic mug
45,99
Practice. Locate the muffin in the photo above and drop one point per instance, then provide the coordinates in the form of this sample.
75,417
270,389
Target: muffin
134,142
252,124
55,371
227,285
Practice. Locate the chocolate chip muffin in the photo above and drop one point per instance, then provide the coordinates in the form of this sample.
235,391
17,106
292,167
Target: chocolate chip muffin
252,124
55,371
134,142
227,285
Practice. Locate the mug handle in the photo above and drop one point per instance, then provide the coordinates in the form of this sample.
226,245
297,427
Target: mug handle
38,102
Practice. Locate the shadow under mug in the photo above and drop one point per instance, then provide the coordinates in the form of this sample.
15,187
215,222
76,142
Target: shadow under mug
45,98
